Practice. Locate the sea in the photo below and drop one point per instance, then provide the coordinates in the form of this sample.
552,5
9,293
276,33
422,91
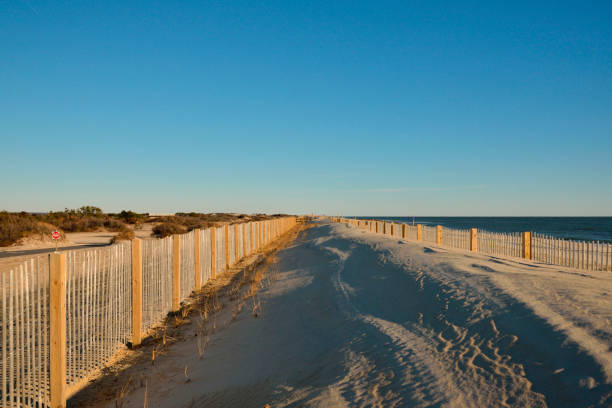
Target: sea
577,228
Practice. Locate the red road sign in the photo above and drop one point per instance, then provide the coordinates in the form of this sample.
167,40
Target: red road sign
55,235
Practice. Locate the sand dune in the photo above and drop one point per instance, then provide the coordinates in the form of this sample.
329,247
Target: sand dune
357,319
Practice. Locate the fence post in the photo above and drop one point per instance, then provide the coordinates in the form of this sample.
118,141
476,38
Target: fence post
226,247
384,227
236,243
136,292
57,329
419,232
213,252
439,235
473,240
251,237
404,231
392,228
198,266
176,272
526,250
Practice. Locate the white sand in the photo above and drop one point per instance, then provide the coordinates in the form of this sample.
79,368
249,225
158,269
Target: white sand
358,319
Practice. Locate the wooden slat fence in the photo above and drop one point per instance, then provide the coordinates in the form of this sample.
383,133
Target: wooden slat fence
588,255
500,244
99,304
24,321
596,256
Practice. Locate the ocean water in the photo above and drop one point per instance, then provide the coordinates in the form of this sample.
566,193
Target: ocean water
579,228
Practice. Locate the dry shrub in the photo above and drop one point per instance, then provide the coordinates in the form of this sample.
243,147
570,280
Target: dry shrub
14,226
125,235
168,228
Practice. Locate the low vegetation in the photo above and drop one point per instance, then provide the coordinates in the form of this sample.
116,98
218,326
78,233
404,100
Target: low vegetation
168,228
15,226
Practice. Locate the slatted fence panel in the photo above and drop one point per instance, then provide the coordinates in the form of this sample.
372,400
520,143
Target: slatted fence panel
411,232
456,238
187,264
157,261
24,322
429,234
98,308
205,255
499,243
220,237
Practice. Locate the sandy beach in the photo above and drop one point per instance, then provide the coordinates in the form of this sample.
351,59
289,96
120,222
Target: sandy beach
357,319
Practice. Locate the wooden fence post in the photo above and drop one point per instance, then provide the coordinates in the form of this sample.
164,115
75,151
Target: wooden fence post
227,262
473,240
198,266
136,292
176,272
404,231
213,252
251,243
419,232
526,249
384,231
57,329
439,235
392,228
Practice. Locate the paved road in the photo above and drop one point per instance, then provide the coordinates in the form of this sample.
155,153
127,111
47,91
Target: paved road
28,252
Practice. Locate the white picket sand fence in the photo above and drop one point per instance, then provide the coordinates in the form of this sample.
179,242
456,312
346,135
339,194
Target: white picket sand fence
99,304
596,256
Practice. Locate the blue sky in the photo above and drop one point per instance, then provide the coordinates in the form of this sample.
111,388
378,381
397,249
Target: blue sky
370,108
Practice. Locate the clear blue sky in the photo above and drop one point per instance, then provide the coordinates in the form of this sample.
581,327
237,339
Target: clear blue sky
377,108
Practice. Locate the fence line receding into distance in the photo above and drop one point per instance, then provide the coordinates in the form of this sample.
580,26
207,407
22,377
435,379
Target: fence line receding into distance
588,255
65,315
